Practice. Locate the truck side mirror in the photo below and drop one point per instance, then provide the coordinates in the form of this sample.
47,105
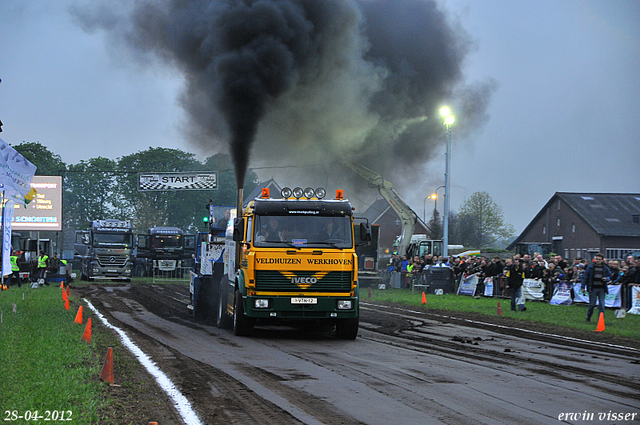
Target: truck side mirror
238,229
365,232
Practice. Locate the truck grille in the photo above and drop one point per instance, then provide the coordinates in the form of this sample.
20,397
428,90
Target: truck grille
274,281
112,260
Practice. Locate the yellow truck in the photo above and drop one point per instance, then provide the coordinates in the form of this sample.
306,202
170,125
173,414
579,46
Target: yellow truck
296,264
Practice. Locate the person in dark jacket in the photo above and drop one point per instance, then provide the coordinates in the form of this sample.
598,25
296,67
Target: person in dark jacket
515,277
595,279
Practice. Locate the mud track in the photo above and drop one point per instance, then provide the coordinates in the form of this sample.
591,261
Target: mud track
227,390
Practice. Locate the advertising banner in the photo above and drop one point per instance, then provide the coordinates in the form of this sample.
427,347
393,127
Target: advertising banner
635,300
44,212
612,299
532,289
562,294
468,285
6,238
488,287
16,171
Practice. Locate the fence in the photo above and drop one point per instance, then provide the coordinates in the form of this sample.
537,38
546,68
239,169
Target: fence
179,274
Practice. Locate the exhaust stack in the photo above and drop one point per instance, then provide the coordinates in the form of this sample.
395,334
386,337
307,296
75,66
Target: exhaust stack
239,202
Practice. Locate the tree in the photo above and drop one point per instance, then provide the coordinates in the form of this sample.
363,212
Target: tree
480,222
48,163
435,226
147,209
89,192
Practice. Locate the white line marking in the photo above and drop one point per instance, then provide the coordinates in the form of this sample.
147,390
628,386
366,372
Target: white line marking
180,401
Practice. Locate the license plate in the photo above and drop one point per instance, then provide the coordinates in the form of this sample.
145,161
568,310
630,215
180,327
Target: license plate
304,301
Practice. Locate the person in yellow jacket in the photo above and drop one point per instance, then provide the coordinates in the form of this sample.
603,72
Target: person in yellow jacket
43,265
15,268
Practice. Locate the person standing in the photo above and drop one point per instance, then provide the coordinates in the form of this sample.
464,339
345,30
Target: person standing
15,268
595,279
515,277
43,265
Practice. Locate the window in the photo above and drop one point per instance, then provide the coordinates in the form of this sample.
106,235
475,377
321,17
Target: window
558,221
558,204
573,228
544,230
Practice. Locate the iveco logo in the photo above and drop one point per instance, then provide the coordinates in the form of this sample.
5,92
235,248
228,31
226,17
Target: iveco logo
112,259
305,280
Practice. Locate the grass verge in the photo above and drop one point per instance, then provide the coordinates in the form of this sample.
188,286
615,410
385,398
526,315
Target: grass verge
44,363
572,316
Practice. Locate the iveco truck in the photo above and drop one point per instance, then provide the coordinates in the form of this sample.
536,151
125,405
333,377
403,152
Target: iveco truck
105,250
292,261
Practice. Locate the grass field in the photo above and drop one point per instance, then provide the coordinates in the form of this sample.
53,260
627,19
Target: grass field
572,316
45,366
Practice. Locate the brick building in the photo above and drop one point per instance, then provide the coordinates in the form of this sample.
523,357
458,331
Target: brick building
583,224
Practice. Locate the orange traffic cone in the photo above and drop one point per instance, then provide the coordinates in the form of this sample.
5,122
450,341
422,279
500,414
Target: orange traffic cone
67,291
64,296
499,309
424,298
87,331
107,368
66,304
600,327
62,285
78,316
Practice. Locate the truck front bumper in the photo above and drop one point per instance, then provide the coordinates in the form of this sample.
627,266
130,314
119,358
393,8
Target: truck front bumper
287,307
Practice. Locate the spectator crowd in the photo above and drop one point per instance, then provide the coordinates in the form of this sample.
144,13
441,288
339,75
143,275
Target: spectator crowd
405,271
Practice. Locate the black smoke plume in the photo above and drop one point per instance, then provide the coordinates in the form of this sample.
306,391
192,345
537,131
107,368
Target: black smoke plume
308,80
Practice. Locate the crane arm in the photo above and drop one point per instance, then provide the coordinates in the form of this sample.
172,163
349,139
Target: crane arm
407,216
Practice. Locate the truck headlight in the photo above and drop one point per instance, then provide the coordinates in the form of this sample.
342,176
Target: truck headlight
345,304
261,303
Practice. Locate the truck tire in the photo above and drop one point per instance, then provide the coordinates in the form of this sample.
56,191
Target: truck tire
223,321
242,325
347,328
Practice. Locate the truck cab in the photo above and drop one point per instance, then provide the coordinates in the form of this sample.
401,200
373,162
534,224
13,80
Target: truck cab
105,250
165,249
297,265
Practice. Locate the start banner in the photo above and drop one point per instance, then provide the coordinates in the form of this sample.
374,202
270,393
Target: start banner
198,180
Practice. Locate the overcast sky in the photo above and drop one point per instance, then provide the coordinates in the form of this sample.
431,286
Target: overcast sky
565,116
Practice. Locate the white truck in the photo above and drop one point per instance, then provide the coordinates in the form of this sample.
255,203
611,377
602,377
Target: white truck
105,250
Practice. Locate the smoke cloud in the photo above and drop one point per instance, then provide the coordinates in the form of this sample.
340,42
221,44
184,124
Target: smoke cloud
294,81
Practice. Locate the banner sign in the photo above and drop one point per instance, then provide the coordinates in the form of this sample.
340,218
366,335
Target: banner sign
198,180
16,171
488,287
612,299
635,300
532,289
7,216
562,294
468,285
44,212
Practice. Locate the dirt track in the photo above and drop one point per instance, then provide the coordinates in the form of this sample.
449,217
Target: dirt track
406,366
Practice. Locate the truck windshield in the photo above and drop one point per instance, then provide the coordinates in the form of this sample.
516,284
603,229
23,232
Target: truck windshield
121,240
303,231
166,241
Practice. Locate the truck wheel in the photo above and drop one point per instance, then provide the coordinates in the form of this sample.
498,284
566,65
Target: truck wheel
201,307
242,325
222,320
347,328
